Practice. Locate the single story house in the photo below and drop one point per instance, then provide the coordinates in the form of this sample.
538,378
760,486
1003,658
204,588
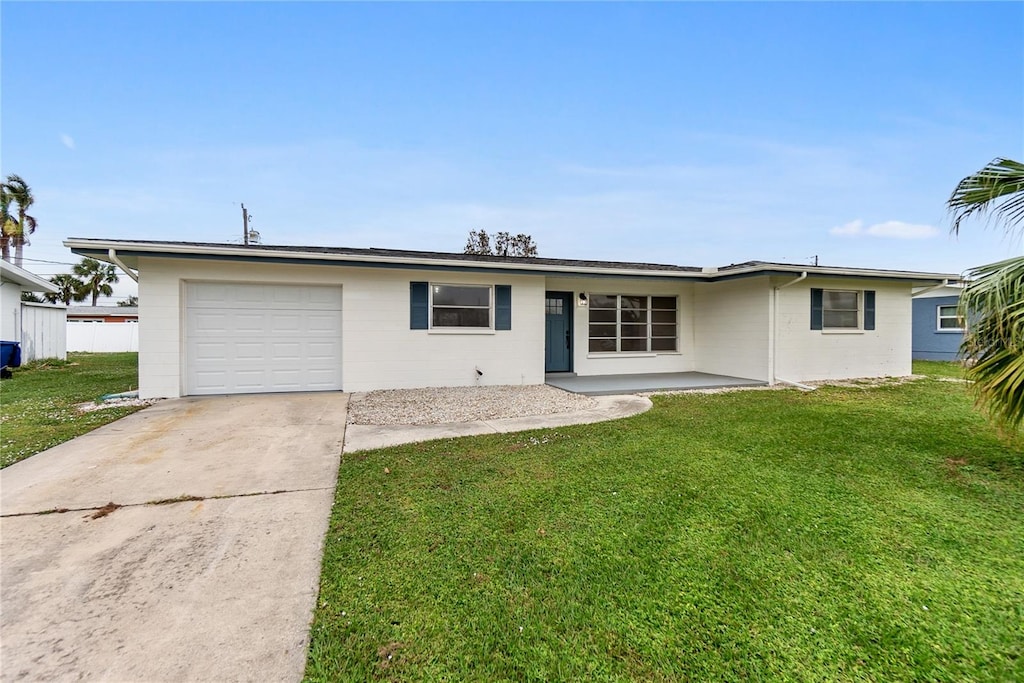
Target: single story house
103,314
938,329
39,329
228,318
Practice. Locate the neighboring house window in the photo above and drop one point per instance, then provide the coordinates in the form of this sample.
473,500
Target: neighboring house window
842,309
625,323
949,319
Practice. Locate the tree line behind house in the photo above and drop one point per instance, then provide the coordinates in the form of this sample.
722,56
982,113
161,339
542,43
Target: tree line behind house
88,279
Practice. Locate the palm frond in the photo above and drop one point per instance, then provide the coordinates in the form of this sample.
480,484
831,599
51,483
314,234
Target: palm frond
997,189
993,305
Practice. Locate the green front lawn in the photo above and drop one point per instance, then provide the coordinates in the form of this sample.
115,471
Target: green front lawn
37,406
844,534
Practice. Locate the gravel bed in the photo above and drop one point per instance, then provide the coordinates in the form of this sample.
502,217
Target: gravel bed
93,406
461,404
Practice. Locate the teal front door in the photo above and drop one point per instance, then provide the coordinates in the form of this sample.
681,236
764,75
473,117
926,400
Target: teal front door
558,332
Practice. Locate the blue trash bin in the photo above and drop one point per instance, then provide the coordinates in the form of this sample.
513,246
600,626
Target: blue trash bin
10,354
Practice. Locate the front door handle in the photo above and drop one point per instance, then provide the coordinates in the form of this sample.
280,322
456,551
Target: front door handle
567,340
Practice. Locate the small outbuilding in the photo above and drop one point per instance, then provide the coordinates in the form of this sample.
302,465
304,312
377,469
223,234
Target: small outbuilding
37,328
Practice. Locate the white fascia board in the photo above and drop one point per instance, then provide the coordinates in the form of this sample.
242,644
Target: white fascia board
29,282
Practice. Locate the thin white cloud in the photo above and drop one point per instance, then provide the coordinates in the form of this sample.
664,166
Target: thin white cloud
851,228
888,229
903,231
67,140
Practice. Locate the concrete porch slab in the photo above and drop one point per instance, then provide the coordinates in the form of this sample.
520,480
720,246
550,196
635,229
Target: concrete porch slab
599,385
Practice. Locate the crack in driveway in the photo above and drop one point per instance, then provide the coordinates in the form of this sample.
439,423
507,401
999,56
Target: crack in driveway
106,509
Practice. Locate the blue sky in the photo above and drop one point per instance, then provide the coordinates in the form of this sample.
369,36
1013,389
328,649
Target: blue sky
687,133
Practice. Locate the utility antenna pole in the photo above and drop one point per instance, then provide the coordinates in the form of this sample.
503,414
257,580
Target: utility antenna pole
245,225
815,259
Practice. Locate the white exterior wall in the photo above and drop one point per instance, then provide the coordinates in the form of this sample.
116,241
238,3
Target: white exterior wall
10,311
586,363
733,327
379,350
94,337
43,331
803,354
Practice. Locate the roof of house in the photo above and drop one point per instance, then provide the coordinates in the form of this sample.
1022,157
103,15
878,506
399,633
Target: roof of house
127,252
96,311
29,282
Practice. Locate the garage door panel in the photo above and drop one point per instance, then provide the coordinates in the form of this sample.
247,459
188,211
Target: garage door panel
251,380
321,352
323,323
245,338
209,378
212,351
286,323
286,352
248,322
253,352
287,297
322,379
208,322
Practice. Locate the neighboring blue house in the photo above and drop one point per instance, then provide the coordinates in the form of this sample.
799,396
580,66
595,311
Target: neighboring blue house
937,329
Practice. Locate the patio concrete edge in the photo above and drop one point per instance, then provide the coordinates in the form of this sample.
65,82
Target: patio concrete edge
368,437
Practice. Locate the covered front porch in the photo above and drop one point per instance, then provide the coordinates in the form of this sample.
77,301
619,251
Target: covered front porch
599,385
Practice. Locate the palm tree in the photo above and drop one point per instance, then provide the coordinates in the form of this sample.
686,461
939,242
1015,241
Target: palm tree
20,193
71,289
8,224
96,278
993,301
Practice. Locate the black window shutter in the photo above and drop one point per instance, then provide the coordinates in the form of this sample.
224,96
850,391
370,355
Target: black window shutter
869,309
816,309
502,307
419,306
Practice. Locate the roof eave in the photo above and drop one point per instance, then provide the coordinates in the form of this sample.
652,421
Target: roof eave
78,245
827,271
99,248
29,282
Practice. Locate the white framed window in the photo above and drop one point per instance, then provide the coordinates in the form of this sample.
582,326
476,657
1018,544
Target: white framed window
461,306
841,309
948,319
624,323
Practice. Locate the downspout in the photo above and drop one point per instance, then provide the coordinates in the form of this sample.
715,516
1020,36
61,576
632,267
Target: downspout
112,254
775,379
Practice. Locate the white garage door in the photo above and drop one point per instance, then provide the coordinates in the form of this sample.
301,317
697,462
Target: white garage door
245,338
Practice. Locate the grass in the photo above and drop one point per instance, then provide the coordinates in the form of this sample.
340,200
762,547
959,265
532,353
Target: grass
846,534
37,406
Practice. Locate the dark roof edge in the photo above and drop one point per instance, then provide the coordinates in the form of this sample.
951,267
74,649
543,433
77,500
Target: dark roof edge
397,258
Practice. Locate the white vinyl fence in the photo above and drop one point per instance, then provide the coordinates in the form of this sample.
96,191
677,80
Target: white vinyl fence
43,331
96,337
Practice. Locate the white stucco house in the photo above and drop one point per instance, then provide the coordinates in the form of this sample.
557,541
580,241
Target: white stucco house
225,318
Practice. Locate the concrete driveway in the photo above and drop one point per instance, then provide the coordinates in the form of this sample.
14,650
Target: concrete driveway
209,568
